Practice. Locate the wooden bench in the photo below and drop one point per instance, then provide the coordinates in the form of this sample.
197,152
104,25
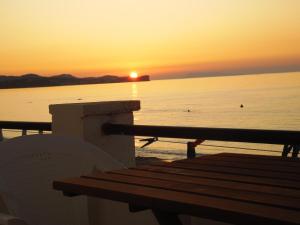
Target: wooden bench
235,188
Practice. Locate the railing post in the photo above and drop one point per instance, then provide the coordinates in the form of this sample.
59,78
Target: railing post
191,148
24,132
1,135
191,151
296,150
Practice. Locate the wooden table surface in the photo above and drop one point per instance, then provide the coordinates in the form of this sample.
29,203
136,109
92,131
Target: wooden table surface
235,188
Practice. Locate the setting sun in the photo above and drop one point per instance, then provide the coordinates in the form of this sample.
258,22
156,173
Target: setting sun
133,74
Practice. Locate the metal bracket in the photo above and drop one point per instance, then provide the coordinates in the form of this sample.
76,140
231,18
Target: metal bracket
291,148
166,218
136,208
162,217
69,194
149,141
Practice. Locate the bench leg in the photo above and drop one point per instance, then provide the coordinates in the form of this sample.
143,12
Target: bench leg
166,218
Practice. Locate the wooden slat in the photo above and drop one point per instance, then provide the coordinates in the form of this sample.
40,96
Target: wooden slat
245,196
227,170
243,165
227,181
179,202
290,166
291,162
265,157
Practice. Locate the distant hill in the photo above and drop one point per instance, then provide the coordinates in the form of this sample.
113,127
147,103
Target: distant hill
35,80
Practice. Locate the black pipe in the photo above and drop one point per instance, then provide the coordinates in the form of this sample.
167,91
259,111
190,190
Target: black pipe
217,134
19,125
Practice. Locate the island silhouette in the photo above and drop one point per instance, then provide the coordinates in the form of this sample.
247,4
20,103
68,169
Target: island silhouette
35,80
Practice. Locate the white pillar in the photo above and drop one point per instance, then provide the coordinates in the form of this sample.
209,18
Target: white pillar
84,120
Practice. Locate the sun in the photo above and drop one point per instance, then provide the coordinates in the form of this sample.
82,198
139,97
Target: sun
133,74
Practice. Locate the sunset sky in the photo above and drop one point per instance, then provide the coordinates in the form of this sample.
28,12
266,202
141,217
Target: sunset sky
157,37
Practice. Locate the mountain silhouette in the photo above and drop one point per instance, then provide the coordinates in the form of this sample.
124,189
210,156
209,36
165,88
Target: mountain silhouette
35,80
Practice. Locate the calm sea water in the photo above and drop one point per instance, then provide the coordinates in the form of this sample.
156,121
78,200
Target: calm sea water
271,101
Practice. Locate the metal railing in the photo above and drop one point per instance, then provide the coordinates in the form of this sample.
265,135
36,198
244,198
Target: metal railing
216,134
290,139
24,127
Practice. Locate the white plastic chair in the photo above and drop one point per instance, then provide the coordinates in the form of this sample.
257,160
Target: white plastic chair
28,166
6,219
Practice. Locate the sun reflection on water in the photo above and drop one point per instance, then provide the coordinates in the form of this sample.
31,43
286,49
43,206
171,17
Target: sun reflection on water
134,91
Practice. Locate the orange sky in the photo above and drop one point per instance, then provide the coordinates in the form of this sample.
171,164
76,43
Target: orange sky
157,37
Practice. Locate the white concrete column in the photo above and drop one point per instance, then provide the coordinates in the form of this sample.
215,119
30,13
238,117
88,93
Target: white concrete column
84,120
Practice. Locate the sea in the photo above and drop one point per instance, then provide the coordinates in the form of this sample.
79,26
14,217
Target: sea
261,101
